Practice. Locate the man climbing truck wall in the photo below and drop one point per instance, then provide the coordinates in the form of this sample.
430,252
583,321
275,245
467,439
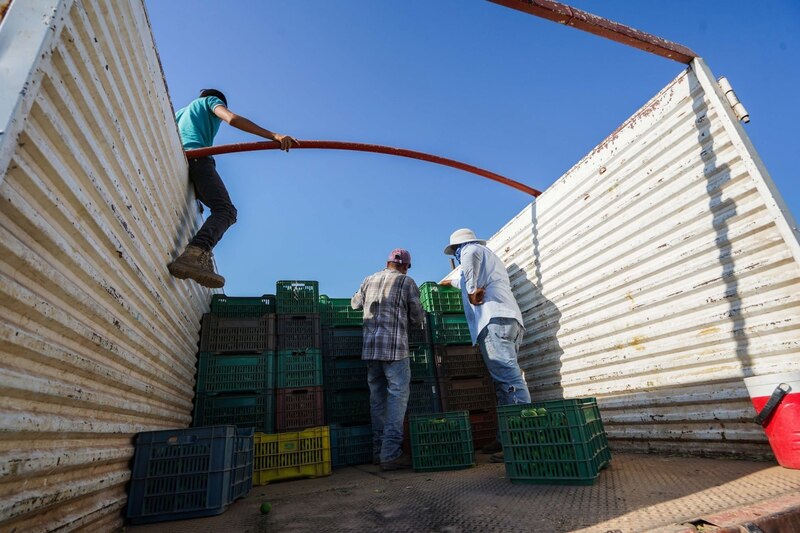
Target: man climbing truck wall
198,124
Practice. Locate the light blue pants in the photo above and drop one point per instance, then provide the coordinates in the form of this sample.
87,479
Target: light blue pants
388,398
499,342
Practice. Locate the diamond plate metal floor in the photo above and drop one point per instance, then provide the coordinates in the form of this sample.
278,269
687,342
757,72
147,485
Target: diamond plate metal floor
636,493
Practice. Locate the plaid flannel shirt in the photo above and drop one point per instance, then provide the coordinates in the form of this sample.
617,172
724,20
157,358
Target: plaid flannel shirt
390,301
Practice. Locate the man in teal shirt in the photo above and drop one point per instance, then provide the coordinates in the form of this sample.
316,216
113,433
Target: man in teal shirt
198,124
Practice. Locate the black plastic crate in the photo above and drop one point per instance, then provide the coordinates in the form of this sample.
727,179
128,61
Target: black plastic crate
299,331
299,408
294,296
189,473
351,445
347,407
459,362
342,342
237,335
255,411
345,373
423,398
242,306
468,394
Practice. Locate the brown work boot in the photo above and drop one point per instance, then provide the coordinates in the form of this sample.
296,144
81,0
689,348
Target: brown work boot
402,461
492,447
195,263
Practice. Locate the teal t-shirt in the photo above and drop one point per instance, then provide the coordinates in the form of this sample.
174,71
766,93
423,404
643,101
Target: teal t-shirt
197,123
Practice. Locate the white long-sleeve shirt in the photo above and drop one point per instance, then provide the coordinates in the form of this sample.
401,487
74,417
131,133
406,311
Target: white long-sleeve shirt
481,268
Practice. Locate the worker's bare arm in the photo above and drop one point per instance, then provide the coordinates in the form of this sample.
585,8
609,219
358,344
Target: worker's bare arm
247,125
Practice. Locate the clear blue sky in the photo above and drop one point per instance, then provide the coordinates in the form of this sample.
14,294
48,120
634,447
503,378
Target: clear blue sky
463,79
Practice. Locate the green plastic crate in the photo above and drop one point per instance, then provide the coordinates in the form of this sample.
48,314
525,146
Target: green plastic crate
557,442
255,411
297,296
436,298
242,306
337,312
235,373
422,363
441,442
299,368
449,329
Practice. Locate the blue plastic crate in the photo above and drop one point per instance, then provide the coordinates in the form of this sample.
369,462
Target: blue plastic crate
189,473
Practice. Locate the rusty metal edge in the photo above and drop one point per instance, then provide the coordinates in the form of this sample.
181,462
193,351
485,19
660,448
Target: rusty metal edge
602,27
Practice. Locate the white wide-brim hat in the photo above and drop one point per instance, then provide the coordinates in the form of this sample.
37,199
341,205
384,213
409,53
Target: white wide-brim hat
460,236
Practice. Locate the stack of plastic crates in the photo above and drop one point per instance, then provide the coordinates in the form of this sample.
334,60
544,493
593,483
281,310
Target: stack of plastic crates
448,324
346,389
465,384
236,364
292,455
462,378
189,473
300,396
555,442
424,391
441,441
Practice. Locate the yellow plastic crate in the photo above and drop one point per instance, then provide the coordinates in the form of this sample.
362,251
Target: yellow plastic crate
291,455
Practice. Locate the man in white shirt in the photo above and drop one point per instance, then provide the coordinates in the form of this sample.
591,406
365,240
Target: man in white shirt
494,318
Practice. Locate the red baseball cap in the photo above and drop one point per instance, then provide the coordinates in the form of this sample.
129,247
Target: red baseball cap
401,256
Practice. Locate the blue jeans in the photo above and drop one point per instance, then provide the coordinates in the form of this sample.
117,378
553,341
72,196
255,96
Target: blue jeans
499,342
388,397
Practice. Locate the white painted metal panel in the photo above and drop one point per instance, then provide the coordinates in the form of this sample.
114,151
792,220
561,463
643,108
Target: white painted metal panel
97,341
657,273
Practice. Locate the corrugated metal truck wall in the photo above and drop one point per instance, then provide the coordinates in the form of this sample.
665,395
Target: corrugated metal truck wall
97,341
657,273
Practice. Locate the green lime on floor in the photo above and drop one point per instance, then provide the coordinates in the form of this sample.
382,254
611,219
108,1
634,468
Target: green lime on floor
266,507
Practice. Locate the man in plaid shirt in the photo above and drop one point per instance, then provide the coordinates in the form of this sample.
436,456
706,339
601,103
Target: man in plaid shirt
390,300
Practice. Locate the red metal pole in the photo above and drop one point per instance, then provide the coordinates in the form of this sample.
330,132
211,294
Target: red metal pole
361,147
570,16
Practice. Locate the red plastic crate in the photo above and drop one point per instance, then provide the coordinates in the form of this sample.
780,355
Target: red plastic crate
459,362
484,427
468,394
299,408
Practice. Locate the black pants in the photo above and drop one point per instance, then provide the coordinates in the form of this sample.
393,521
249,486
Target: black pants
212,192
